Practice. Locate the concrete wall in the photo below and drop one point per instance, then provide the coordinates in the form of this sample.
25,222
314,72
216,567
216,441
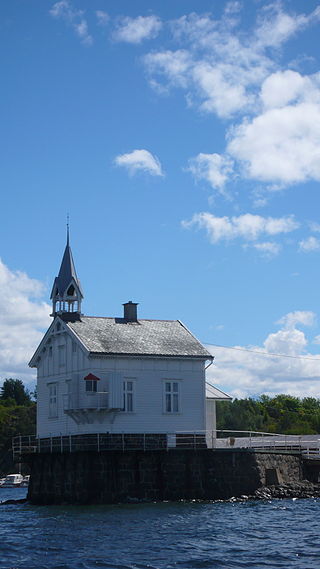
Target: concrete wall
115,476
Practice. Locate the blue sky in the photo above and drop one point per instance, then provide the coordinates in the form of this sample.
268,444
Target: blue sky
183,139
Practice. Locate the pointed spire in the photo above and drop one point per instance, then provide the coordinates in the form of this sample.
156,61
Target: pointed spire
67,229
66,292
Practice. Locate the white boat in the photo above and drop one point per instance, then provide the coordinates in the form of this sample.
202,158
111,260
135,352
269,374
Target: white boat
2,481
12,481
25,481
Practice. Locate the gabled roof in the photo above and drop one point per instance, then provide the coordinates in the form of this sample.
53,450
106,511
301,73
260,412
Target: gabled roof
67,273
213,392
117,336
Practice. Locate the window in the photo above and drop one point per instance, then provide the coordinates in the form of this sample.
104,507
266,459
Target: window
62,356
71,291
91,385
53,400
171,397
74,347
50,352
128,396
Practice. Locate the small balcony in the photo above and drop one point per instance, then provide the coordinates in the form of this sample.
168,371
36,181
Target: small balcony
87,407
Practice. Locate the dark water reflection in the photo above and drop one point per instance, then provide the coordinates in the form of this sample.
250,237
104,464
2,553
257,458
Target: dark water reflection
161,536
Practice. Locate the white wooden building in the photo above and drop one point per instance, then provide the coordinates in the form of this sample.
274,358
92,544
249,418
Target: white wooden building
118,375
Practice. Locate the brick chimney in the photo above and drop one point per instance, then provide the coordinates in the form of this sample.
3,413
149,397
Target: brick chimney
130,311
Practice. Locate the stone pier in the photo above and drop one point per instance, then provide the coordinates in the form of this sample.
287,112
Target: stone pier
116,476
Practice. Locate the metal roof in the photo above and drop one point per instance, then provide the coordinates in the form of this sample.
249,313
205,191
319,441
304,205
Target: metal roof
142,338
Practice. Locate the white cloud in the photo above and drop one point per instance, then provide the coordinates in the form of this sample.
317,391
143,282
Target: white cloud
23,318
102,17
65,11
309,244
243,373
276,27
304,317
248,227
280,145
225,65
135,30
314,226
229,71
140,160
289,87
213,168
268,248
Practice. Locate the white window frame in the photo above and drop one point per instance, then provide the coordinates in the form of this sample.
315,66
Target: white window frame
53,400
171,396
128,395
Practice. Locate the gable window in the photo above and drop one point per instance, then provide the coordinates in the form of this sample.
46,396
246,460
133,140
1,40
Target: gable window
128,396
91,385
171,397
53,400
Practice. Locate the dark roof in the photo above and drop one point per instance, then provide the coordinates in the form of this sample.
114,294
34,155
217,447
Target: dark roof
67,273
145,337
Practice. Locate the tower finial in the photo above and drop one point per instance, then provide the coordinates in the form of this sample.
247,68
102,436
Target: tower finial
67,229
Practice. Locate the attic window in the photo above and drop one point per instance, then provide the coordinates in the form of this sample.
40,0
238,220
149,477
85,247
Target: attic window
91,383
71,290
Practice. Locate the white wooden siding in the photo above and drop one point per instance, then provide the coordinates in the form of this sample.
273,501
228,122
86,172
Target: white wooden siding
149,375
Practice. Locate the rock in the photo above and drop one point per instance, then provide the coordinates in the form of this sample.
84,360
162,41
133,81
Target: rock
6,502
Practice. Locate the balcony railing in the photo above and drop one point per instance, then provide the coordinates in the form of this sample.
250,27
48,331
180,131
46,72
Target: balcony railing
94,400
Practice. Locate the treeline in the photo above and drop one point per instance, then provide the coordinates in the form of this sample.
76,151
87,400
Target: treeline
17,417
280,414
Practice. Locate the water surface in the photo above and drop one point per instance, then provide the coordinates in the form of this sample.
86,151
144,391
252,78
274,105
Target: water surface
279,533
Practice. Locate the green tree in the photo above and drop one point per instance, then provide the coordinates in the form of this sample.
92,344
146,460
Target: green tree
14,389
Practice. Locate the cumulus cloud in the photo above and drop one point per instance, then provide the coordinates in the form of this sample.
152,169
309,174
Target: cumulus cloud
281,145
309,244
213,168
24,316
64,10
247,227
140,160
225,66
233,73
243,373
135,30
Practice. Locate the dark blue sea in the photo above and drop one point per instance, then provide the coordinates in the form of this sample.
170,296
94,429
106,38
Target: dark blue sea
271,534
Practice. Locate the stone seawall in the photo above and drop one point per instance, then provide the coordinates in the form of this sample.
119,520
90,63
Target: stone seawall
116,476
